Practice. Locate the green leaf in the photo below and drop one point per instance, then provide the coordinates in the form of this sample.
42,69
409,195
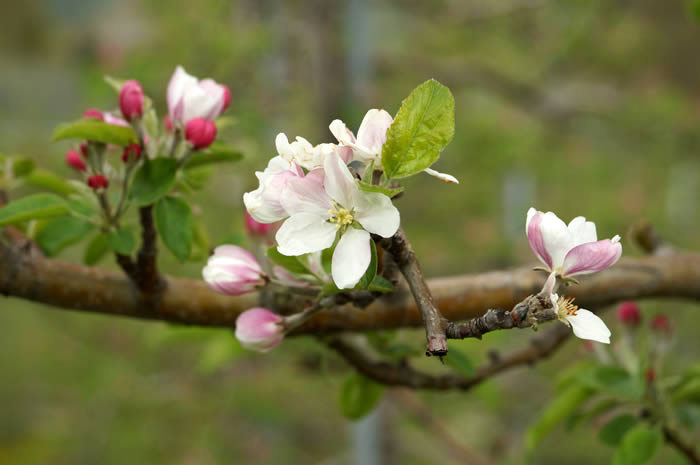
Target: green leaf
115,83
216,153
49,181
388,191
613,432
638,446
174,220
613,380
371,272
459,362
359,396
94,130
563,406
22,166
153,180
95,250
582,416
292,264
32,207
61,232
197,178
121,241
381,284
423,126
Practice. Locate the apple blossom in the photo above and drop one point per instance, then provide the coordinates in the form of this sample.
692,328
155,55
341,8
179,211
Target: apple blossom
190,98
585,324
263,203
306,155
569,250
233,271
131,100
259,329
371,136
318,211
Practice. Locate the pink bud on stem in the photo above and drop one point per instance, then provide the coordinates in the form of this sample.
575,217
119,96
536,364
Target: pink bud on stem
628,314
74,161
200,133
131,151
131,100
257,229
93,113
98,181
259,329
233,271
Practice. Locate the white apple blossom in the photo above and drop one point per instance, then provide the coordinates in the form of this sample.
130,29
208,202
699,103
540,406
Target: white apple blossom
320,210
263,203
306,155
190,98
569,250
371,136
585,324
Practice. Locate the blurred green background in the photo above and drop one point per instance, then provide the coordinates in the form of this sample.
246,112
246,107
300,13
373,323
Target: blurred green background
583,107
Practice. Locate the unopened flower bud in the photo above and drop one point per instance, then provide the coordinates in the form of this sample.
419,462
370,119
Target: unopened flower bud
168,123
93,113
259,329
257,229
131,151
233,271
661,324
200,133
131,100
98,181
74,161
628,314
226,98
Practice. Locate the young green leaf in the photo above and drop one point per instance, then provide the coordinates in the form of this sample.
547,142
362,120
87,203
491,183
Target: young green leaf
49,181
460,362
121,241
22,166
174,221
61,232
94,130
32,207
613,432
359,396
95,250
638,446
381,284
217,152
423,127
388,191
153,180
563,406
292,264
371,272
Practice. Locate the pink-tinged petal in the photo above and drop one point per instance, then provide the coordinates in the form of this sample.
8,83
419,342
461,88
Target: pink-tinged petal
444,177
233,252
217,91
305,233
535,238
306,195
587,325
341,132
259,329
339,183
592,257
198,103
233,271
111,119
376,213
548,287
372,132
345,153
264,203
179,82
582,231
316,176
556,238
351,258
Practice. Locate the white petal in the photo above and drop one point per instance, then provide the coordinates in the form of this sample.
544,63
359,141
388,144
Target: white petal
530,213
198,103
339,183
341,132
179,82
305,233
557,238
444,177
351,258
372,132
582,231
283,147
376,213
306,195
587,325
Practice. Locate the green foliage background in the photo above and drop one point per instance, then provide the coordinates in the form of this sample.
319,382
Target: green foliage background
581,107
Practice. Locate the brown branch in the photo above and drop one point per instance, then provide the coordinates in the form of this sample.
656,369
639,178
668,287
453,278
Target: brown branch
403,374
149,279
435,323
688,450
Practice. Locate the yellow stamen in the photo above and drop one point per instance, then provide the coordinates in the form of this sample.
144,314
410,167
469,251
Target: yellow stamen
567,306
340,216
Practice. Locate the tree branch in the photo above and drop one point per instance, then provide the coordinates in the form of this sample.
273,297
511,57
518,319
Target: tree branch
435,323
688,450
149,279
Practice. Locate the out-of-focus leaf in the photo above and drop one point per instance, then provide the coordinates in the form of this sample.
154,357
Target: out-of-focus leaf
121,241
115,83
95,130
614,380
371,272
359,396
613,432
32,207
22,166
423,126
563,406
198,177
217,152
388,191
292,264
153,180
459,362
638,446
95,250
61,232
381,284
174,220
49,181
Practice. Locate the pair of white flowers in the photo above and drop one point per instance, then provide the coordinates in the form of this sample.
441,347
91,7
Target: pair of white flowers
568,251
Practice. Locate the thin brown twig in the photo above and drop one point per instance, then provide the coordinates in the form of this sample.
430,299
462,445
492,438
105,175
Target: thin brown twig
688,450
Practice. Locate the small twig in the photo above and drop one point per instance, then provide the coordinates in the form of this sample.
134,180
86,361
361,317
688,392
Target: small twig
149,279
402,374
435,323
688,450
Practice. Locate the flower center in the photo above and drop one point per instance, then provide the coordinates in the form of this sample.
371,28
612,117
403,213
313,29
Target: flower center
340,216
566,306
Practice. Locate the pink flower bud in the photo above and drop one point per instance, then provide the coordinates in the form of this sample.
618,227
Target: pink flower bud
168,123
259,329
84,151
233,271
93,113
131,100
628,314
131,151
200,133
257,229
661,324
98,181
226,98
74,161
